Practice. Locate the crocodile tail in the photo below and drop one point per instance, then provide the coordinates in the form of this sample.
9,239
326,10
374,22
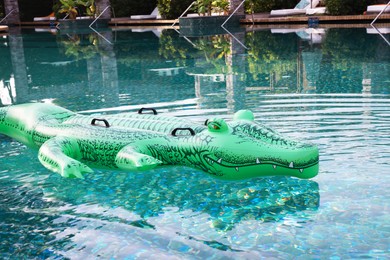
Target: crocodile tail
19,121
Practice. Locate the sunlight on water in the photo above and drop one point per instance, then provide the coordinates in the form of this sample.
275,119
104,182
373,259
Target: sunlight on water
337,99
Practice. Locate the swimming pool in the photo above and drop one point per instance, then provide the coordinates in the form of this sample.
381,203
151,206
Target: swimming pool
327,86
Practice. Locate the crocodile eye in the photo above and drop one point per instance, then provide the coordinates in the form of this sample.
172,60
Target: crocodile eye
217,125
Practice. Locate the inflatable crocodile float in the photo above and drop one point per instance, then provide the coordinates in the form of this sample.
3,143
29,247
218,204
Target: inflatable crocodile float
71,143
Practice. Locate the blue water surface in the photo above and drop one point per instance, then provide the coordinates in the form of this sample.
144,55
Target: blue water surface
328,86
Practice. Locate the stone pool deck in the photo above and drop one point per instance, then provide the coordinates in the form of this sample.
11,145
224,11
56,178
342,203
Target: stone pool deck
255,19
266,19
339,19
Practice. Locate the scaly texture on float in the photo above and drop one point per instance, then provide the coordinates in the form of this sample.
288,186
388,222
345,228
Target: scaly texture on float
71,143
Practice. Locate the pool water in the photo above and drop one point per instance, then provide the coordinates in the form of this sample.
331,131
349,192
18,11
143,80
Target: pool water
330,87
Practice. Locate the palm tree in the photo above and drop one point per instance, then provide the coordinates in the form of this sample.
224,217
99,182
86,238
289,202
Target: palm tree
234,4
19,66
11,8
101,5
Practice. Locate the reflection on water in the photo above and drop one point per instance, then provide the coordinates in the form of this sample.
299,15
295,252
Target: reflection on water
327,86
87,67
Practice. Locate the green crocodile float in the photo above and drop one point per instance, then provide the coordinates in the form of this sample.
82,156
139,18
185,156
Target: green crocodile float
71,143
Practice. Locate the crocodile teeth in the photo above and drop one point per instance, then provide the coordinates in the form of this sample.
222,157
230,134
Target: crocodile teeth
301,170
236,168
274,166
291,165
258,161
219,160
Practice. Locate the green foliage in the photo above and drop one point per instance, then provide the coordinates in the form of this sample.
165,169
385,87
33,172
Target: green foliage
69,8
203,7
221,6
122,8
335,7
80,46
172,48
215,50
347,7
207,7
72,7
164,7
171,9
90,7
258,6
268,54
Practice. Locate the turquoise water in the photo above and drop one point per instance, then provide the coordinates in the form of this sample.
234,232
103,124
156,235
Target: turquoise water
331,87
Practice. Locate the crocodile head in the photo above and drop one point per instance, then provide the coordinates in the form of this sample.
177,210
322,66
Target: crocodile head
244,149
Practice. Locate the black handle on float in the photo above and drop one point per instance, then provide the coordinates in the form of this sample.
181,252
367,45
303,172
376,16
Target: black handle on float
100,120
192,132
147,108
